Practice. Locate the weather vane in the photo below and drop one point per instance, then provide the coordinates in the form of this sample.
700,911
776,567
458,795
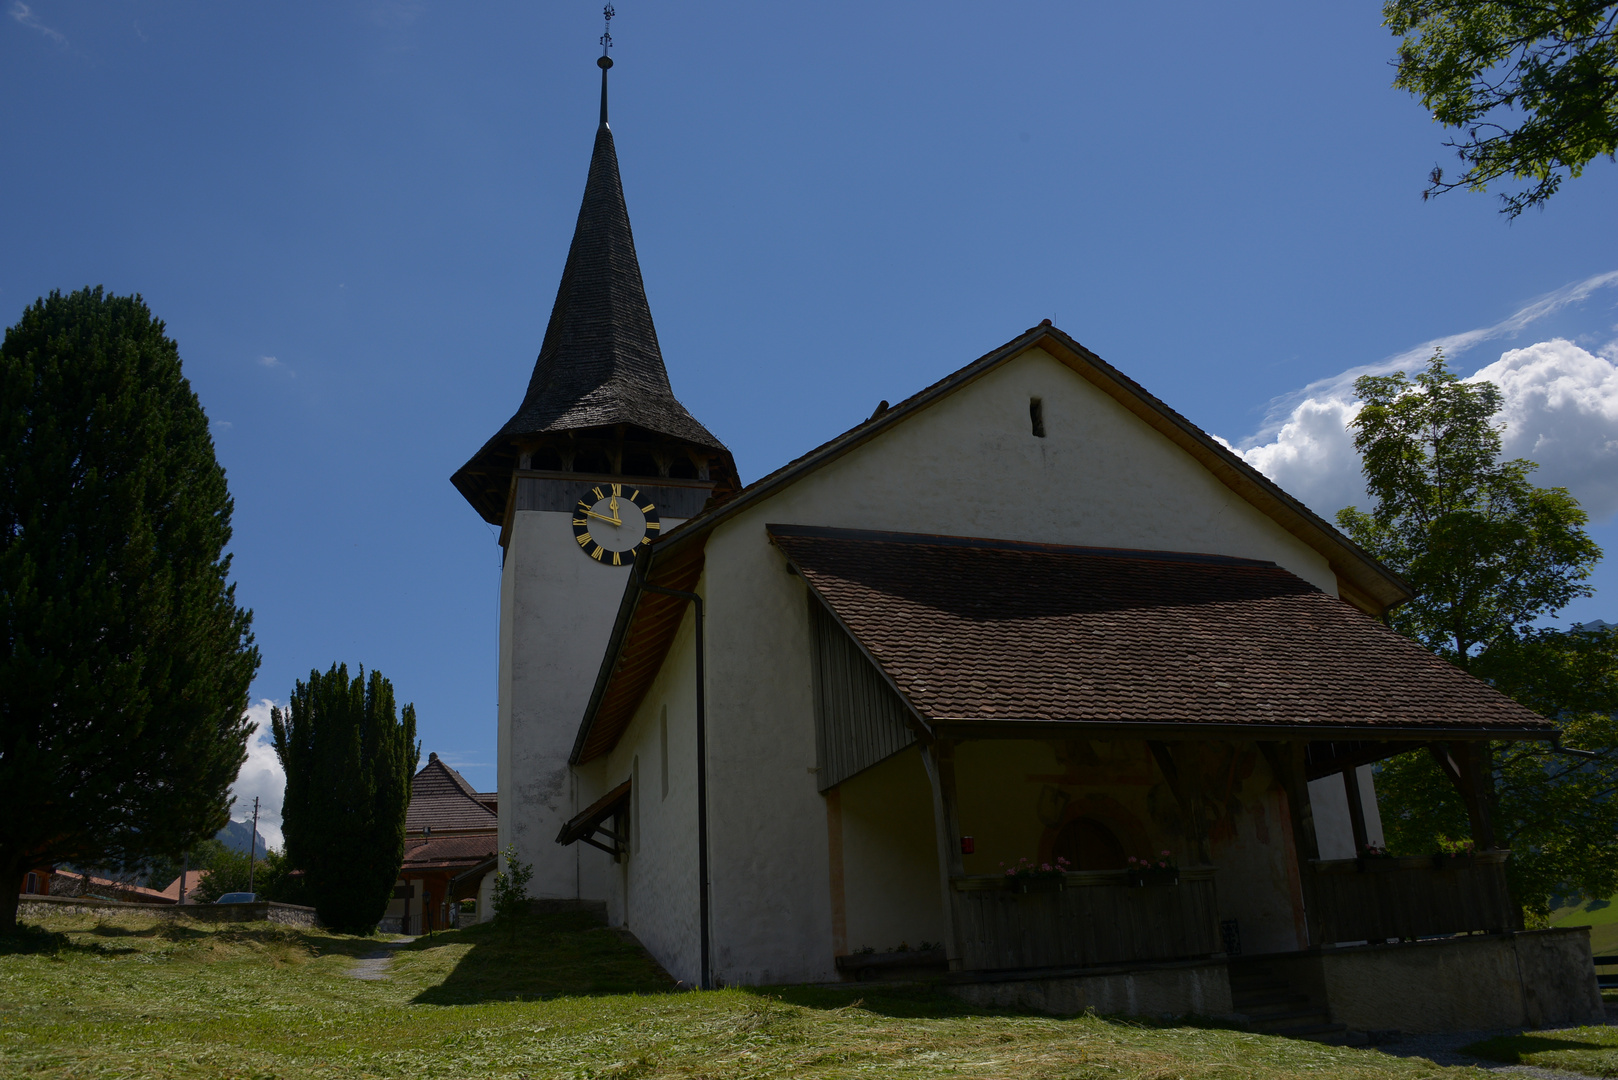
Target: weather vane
606,35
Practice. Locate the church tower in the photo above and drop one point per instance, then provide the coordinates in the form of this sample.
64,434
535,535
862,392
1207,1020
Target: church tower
597,460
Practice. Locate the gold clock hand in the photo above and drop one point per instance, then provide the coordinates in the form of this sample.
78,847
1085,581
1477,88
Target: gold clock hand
609,520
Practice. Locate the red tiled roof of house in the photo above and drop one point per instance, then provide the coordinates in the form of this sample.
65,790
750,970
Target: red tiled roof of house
982,630
440,798
435,851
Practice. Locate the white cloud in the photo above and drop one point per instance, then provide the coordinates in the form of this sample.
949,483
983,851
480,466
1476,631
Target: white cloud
261,775
1559,407
270,362
25,16
1561,410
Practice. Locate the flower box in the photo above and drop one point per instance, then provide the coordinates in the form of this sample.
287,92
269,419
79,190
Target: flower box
1140,878
1376,864
1459,860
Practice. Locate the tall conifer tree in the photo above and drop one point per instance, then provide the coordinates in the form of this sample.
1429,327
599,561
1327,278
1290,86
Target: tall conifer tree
349,759
124,660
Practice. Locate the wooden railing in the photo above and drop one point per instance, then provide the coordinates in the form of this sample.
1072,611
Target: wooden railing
1094,918
1378,899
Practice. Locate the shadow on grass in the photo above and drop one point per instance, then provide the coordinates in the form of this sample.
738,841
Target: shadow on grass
541,956
1515,1049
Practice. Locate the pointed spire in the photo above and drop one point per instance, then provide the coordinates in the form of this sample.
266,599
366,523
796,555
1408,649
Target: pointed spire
600,366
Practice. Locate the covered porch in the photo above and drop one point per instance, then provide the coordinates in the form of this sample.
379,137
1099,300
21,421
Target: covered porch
1072,764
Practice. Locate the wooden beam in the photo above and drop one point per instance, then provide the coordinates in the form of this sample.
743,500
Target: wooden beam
1470,767
1356,809
939,758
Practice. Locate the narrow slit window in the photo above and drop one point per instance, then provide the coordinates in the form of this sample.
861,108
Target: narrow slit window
1036,413
663,724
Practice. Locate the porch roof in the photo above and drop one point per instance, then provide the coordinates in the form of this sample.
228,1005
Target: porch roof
983,634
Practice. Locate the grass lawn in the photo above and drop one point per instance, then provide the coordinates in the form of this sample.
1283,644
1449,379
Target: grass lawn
1601,916
134,997
1592,1051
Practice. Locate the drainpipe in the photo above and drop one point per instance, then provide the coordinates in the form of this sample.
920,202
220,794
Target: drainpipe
702,777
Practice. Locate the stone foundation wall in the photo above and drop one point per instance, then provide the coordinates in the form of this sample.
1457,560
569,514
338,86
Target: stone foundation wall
1537,979
1200,988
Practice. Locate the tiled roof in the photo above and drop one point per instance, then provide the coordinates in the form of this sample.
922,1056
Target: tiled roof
984,630
441,798
422,852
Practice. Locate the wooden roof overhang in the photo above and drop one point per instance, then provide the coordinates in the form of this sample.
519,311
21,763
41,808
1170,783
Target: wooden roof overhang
590,822
642,635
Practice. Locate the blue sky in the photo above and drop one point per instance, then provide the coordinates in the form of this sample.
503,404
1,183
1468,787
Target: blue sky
353,216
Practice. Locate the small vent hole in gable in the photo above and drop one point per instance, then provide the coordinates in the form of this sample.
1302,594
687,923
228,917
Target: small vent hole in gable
1036,413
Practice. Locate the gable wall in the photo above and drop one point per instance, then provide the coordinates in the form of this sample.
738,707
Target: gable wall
968,465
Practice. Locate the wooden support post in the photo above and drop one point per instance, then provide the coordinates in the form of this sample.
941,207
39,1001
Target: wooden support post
939,757
1470,767
1286,760
1356,809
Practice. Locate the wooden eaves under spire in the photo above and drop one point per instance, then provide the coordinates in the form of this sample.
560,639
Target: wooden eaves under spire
599,400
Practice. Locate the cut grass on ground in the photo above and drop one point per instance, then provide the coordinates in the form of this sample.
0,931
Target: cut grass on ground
1592,1051
1601,916
139,998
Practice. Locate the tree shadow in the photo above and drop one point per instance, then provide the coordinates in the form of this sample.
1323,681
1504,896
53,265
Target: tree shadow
1514,1049
534,957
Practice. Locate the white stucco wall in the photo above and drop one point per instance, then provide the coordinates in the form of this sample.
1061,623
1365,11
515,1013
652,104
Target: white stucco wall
891,893
968,465
1334,831
654,891
557,608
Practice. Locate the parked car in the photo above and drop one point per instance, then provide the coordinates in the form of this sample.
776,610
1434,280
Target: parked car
237,898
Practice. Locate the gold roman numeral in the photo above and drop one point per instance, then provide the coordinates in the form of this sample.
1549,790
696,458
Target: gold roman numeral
598,493
658,525
617,489
583,539
616,561
597,553
581,521
648,508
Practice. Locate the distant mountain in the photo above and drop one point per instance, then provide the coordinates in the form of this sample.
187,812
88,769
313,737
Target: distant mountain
1595,624
236,836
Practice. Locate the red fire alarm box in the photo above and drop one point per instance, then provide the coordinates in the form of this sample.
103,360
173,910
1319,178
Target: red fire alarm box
968,845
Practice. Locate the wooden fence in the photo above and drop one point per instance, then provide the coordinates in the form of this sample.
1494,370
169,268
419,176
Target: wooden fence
1380,899
1094,918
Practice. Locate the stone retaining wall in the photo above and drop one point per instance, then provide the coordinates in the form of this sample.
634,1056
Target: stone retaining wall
261,911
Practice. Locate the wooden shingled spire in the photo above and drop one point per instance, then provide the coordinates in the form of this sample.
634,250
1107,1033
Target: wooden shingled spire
599,400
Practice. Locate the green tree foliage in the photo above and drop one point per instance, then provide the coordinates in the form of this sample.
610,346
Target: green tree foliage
1486,552
511,886
349,758
125,662
1532,84
1488,555
272,878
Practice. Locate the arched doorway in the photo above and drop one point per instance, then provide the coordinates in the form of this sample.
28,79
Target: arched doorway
1087,844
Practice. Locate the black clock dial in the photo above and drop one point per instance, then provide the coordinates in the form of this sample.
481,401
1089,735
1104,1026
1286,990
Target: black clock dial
612,523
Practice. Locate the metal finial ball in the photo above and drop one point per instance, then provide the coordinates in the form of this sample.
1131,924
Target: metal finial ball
604,62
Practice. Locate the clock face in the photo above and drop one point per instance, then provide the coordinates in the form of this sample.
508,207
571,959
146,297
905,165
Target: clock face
611,524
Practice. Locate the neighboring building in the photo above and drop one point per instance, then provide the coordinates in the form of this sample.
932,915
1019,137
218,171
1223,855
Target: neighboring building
69,883
450,835
37,882
188,883
1029,613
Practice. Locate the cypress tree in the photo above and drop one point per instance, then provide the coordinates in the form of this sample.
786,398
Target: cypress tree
124,660
348,759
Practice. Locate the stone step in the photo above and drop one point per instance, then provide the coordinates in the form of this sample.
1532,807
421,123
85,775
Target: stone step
1284,1023
1249,1000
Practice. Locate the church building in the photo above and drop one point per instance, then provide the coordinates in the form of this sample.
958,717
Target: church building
1026,684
